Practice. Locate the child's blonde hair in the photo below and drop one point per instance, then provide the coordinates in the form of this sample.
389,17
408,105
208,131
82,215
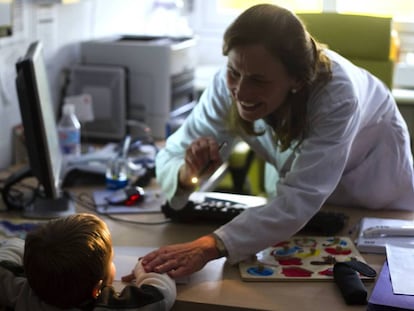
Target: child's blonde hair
66,258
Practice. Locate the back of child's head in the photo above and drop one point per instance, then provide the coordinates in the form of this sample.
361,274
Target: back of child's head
66,258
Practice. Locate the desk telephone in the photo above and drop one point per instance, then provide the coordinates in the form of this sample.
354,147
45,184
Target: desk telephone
219,208
210,210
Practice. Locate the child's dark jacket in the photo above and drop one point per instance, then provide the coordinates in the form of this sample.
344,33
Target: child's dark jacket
152,291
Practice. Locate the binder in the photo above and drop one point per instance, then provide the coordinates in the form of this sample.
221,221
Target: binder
383,298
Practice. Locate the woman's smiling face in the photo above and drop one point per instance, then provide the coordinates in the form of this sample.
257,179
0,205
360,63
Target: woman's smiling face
257,81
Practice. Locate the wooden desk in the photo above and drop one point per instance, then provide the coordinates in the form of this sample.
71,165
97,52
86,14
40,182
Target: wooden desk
218,285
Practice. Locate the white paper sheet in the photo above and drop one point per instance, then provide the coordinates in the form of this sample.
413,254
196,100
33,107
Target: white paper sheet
400,259
126,257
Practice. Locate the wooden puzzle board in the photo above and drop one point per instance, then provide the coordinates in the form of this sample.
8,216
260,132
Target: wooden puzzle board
302,258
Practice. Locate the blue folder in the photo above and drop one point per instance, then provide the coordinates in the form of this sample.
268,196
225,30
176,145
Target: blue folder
383,297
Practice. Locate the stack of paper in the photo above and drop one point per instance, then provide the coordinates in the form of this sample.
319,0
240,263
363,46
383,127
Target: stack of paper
394,289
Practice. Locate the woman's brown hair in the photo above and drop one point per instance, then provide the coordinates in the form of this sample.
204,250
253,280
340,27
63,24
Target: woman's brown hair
285,37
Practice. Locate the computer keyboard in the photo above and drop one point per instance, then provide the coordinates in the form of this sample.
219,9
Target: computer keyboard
219,208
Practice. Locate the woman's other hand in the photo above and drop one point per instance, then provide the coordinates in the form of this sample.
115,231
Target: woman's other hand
202,158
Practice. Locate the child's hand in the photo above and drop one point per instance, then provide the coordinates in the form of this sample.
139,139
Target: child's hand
128,278
138,269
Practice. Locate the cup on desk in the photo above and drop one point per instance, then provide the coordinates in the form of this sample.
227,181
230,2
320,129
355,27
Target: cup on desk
117,173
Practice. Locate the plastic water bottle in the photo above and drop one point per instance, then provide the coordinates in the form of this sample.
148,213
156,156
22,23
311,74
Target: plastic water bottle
69,131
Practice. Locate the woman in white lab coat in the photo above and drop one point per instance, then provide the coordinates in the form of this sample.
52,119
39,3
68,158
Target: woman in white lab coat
330,132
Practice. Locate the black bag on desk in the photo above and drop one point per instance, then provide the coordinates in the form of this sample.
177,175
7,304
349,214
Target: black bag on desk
350,285
346,276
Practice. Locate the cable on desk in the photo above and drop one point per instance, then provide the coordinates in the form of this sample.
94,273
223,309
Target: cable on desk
17,199
87,202
81,200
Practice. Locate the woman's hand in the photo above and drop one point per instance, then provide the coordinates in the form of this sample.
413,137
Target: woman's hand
181,259
202,158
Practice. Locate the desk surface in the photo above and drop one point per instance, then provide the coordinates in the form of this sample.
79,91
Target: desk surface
218,285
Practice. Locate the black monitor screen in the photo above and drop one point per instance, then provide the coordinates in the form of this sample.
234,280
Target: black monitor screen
38,119
40,130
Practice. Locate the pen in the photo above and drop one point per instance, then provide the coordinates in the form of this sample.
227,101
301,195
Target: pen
125,147
195,179
355,228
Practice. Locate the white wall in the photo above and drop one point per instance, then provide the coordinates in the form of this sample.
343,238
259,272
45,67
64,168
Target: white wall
209,29
61,28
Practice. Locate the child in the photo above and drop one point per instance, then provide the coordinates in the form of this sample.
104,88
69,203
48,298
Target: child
67,264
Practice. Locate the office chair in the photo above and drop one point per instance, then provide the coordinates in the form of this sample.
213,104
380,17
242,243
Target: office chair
244,173
367,41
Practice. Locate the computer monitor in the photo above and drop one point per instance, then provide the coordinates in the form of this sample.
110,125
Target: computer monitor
41,138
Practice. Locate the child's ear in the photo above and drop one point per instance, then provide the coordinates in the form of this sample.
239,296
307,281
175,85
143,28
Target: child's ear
297,86
96,291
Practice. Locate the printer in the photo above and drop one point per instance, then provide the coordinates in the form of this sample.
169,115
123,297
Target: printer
159,71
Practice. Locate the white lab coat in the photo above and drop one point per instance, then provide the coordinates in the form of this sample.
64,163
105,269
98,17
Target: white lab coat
356,153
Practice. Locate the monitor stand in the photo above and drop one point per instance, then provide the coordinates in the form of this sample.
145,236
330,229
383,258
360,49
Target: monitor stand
46,208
